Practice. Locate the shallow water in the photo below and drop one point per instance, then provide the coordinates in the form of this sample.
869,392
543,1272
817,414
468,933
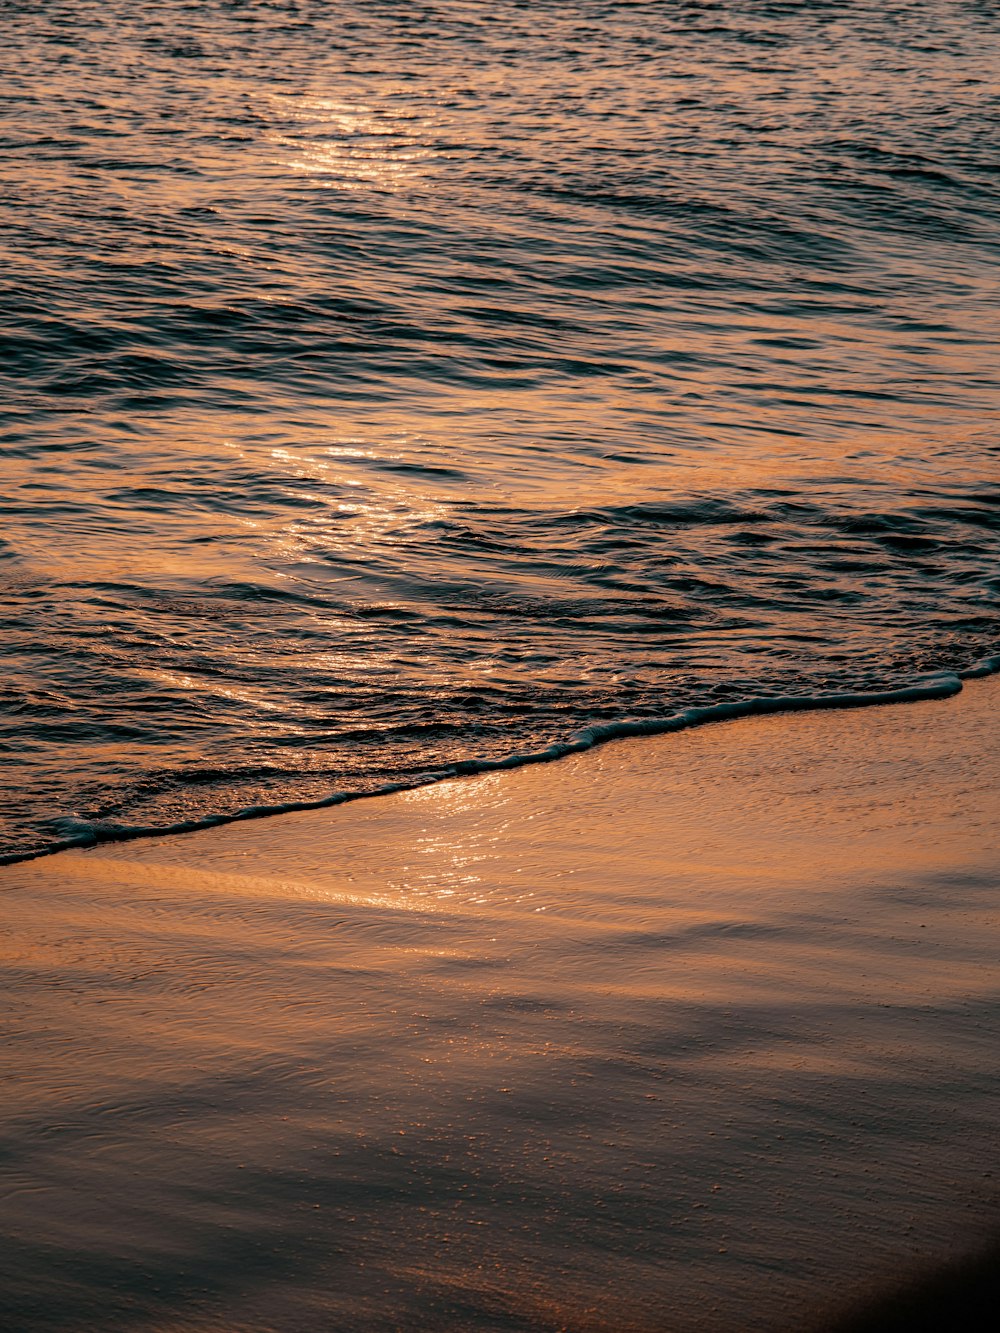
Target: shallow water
386,387
699,1037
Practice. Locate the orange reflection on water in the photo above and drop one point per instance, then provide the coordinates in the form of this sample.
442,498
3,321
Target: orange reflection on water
345,146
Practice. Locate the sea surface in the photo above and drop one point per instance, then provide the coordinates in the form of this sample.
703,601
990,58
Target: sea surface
391,387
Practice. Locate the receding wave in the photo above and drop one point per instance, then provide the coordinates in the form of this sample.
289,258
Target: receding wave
74,832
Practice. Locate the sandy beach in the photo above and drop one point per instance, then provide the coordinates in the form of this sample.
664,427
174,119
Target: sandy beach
688,1033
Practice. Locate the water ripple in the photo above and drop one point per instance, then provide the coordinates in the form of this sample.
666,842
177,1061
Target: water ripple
387,389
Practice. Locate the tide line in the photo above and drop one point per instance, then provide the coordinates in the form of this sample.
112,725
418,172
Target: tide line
80,833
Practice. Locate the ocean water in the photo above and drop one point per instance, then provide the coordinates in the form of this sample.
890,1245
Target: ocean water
391,387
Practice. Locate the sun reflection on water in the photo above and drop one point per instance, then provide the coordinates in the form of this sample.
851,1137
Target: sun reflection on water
352,146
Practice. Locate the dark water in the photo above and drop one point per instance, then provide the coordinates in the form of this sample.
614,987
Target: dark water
386,386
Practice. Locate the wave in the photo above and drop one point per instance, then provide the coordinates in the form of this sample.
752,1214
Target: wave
81,833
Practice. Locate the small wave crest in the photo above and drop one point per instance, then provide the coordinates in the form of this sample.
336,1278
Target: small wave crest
74,832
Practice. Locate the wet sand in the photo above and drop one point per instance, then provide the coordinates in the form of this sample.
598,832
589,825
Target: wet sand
689,1033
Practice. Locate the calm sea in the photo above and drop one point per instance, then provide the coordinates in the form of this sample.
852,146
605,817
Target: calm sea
389,386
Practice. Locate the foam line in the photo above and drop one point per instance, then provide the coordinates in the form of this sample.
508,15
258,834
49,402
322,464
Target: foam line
986,666
937,685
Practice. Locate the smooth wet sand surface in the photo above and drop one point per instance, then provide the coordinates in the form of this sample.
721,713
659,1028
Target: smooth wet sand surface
688,1033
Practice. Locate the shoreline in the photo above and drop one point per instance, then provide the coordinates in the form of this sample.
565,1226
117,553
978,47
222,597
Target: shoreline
936,685
693,1034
